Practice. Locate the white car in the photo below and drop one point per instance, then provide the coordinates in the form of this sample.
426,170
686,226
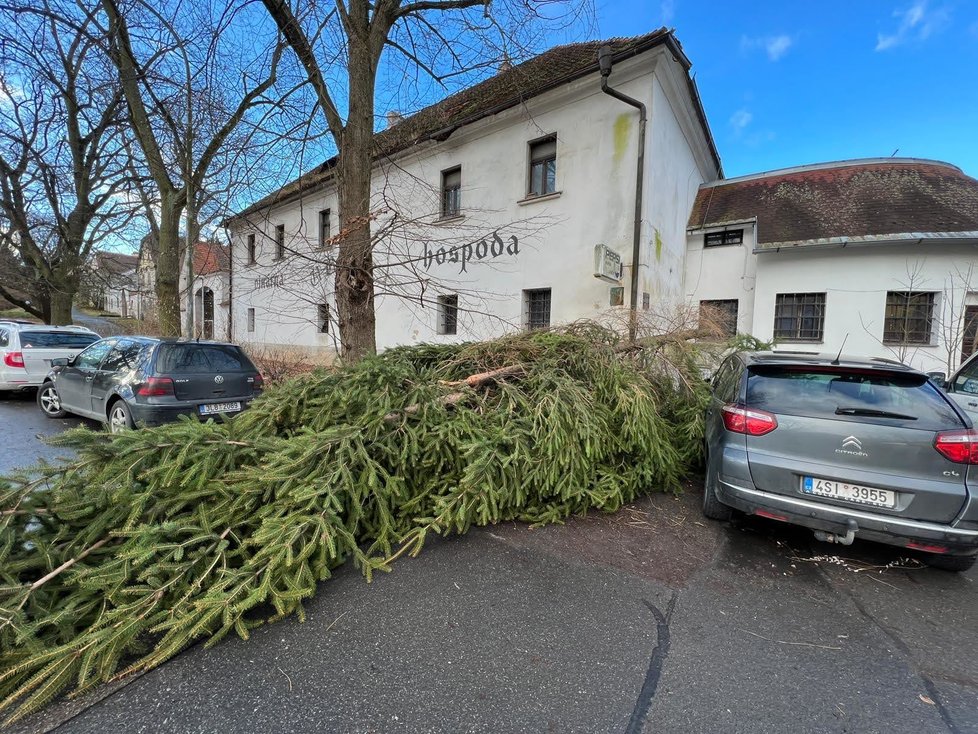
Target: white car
26,351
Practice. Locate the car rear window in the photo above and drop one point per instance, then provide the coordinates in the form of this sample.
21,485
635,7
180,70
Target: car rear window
188,358
56,339
851,395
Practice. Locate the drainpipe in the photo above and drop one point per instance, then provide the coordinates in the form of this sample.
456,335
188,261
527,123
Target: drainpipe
604,64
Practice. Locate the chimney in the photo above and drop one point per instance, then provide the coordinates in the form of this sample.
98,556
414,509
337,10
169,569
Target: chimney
393,117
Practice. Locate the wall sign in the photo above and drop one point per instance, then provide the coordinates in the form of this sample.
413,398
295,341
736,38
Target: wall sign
269,281
607,264
462,255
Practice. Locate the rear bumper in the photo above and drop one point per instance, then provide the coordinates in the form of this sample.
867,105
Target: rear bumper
834,519
145,414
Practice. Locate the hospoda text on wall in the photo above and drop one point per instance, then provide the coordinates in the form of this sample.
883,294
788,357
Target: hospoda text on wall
462,255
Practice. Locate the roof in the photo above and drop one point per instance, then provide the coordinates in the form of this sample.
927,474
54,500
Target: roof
210,257
506,89
858,198
115,262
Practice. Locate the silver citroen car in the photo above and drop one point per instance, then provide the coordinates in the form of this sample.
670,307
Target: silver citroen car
866,448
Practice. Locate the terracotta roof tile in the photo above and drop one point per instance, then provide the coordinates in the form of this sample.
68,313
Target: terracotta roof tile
848,199
210,257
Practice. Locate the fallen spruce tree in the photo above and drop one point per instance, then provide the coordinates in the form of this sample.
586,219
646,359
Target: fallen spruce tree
147,541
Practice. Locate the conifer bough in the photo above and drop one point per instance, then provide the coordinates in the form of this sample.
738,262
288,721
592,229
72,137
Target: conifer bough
146,541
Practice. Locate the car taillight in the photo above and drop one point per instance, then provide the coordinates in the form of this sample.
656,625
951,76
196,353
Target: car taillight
259,382
156,387
738,419
14,359
961,447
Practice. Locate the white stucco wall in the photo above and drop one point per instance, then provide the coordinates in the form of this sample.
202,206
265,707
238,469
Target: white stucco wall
856,280
546,242
727,272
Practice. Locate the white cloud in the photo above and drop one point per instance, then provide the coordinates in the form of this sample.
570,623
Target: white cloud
667,11
917,23
740,119
774,46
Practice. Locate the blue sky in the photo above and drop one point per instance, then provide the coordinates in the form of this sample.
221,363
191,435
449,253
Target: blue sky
789,83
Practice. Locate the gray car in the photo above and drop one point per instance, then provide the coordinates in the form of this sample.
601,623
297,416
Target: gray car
864,448
130,380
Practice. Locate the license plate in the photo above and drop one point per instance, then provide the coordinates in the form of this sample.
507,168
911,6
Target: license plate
849,492
219,408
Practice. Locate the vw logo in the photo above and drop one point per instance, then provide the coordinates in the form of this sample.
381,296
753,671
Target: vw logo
220,378
851,442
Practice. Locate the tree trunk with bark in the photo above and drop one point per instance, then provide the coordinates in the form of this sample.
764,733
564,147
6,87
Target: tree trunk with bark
168,267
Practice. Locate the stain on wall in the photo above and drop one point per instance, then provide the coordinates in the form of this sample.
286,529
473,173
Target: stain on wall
658,245
623,130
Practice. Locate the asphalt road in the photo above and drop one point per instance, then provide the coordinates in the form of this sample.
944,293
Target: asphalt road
648,620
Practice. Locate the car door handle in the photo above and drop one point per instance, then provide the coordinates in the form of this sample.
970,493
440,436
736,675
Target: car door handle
89,378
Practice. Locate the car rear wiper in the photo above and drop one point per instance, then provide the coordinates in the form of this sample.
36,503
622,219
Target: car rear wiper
873,413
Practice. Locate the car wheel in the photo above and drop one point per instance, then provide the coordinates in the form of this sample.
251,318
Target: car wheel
49,401
712,507
950,563
120,419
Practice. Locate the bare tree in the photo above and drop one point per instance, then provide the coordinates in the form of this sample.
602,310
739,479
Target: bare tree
185,106
437,38
61,165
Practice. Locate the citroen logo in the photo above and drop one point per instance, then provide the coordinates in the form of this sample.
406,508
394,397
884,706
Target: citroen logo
852,443
220,378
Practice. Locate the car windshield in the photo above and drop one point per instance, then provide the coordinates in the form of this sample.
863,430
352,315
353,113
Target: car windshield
30,339
844,394
189,358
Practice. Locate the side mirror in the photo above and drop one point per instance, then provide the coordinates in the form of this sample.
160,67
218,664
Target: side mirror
60,362
938,377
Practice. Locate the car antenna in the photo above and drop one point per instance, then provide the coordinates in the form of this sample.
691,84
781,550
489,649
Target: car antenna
836,360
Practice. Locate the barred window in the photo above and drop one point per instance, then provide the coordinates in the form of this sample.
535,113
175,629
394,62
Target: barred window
448,314
721,313
536,305
451,192
799,317
909,317
727,237
543,166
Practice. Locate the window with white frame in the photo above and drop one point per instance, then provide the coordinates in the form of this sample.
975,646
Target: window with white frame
251,319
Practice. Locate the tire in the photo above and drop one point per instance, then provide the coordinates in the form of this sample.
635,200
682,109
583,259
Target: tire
49,401
950,563
120,417
712,507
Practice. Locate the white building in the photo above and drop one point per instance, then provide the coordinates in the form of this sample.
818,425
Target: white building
879,253
489,204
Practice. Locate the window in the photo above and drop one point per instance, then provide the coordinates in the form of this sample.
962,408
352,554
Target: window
92,357
124,356
727,237
251,249
536,305
196,358
4,338
967,379
251,319
543,166
280,242
969,339
448,314
451,192
722,314
56,339
909,317
324,229
322,318
799,317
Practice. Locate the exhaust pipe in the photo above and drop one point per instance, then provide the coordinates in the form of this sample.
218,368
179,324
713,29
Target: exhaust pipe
846,539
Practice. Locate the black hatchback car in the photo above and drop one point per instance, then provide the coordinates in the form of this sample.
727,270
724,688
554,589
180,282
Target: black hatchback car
132,380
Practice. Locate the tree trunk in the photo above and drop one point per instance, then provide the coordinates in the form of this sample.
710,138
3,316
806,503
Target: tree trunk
62,296
354,262
168,268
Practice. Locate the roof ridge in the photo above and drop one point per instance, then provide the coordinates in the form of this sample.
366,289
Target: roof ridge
829,165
